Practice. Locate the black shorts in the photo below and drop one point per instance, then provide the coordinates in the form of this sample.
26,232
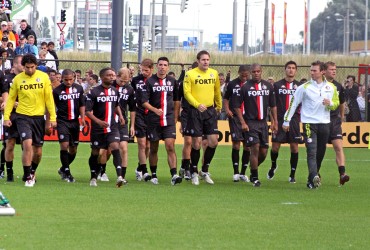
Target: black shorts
258,133
202,123
293,136
335,129
102,141
236,129
68,131
156,132
123,133
140,125
12,131
184,119
31,127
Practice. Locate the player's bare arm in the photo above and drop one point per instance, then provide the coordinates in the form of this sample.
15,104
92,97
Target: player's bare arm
158,112
241,119
82,115
274,124
119,113
227,108
93,118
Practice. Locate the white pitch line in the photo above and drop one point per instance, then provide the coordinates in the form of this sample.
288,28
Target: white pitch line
290,203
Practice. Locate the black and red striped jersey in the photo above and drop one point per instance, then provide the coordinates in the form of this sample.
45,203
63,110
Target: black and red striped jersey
284,92
126,99
161,94
233,95
137,83
184,103
5,81
257,97
68,101
102,102
340,90
8,79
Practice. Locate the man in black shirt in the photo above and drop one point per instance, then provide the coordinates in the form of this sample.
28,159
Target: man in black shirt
138,83
4,90
336,118
52,52
126,103
70,104
351,93
257,95
184,171
284,91
231,99
101,107
160,97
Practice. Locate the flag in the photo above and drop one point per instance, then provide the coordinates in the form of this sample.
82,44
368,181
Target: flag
18,6
285,23
272,25
305,23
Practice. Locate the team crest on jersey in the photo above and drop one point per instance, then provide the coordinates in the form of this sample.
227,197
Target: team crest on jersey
283,87
168,83
23,81
156,84
124,91
327,87
74,90
264,87
199,76
63,92
211,75
237,86
252,88
38,79
101,93
295,86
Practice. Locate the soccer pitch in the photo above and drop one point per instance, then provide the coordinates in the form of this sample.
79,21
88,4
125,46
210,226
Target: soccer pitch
58,215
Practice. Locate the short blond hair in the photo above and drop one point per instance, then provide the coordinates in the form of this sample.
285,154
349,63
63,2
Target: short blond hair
123,71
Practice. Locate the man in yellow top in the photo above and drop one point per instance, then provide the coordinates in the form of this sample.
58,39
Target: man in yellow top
33,90
202,91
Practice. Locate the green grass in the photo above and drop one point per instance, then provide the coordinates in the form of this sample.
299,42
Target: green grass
278,215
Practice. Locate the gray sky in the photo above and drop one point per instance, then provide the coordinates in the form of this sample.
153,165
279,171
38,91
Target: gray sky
215,16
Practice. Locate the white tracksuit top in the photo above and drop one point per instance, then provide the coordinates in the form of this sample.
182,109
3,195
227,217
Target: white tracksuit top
311,95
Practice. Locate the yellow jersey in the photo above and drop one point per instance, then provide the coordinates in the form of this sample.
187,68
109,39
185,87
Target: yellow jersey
34,94
203,87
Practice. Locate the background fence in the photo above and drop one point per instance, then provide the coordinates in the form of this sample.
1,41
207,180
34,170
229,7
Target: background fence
275,71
